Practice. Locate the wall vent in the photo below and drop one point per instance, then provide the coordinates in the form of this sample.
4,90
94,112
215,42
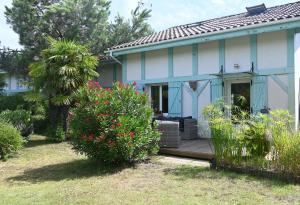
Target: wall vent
254,10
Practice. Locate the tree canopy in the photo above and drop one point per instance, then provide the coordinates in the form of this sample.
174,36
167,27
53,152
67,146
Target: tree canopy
82,21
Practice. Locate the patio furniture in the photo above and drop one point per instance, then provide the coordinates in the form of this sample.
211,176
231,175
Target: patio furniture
169,134
190,130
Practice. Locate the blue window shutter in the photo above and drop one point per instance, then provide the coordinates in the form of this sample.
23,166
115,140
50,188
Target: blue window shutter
259,94
216,89
175,96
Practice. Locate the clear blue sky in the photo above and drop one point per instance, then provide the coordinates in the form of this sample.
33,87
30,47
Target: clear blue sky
165,13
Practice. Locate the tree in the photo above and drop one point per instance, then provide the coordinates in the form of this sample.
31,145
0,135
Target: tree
63,68
82,21
123,30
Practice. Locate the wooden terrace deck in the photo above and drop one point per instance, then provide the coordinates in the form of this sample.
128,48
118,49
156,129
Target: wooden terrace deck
199,149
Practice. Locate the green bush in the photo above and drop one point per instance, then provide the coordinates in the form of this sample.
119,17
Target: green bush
257,141
286,142
20,119
13,102
113,125
10,140
237,139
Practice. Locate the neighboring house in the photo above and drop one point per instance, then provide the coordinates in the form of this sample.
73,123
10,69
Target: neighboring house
15,83
255,54
109,71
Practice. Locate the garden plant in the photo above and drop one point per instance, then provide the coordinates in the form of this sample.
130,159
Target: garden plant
113,125
258,141
10,140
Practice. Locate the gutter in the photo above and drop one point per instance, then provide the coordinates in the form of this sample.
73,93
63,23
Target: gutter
110,54
205,35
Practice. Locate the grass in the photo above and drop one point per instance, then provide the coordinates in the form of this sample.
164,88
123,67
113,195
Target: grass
46,173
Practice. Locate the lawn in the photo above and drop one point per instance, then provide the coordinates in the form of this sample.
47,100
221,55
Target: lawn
46,173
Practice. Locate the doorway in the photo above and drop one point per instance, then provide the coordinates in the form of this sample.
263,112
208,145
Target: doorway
159,99
238,95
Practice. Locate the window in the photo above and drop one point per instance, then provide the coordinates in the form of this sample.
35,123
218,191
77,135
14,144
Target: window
159,98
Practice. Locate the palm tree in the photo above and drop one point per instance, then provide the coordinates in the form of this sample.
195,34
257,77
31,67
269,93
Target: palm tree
62,69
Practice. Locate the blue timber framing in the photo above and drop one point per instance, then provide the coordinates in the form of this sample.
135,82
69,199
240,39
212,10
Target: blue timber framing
222,55
281,84
253,51
195,94
212,37
195,59
290,27
271,71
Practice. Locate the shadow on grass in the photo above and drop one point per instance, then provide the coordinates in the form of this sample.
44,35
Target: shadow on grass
66,171
202,173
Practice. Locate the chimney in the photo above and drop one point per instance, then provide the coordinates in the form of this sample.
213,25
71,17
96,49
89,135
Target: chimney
258,9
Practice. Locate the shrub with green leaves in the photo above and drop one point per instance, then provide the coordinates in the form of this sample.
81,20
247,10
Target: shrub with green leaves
10,140
113,125
286,143
13,102
237,138
20,119
257,141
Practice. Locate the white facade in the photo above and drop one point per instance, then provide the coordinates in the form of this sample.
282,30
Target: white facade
134,63
156,64
182,61
268,56
272,50
208,58
237,52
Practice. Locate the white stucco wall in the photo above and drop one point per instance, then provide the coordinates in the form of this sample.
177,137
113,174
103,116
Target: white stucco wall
272,50
182,61
156,64
237,51
203,101
208,58
187,108
106,75
134,66
277,98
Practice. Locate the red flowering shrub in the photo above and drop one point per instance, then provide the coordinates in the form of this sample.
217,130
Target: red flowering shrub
113,125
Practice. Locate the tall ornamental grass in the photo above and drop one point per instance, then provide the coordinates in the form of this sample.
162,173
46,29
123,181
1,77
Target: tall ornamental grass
254,141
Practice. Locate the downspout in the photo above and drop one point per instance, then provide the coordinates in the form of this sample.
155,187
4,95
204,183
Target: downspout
110,54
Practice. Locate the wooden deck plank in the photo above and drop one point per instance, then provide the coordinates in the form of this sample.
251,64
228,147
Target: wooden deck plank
199,149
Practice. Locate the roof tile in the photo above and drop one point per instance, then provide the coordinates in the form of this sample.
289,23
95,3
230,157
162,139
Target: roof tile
277,13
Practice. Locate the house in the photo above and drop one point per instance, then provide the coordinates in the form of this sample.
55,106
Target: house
110,71
255,54
14,83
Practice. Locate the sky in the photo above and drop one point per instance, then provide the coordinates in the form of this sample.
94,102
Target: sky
165,13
